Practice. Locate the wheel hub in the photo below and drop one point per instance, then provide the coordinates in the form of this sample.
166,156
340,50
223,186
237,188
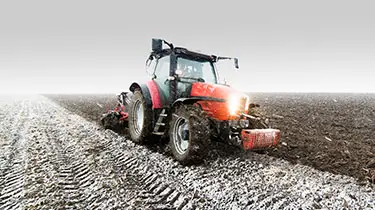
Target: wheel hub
181,135
139,115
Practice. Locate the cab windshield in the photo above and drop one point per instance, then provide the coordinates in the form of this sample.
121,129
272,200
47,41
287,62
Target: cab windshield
197,69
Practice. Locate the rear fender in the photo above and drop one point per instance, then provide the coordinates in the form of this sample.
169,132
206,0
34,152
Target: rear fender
144,90
150,92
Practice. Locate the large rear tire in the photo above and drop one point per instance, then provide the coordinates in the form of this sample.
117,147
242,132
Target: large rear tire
140,119
189,134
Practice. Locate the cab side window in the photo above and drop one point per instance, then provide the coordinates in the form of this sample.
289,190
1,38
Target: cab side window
162,68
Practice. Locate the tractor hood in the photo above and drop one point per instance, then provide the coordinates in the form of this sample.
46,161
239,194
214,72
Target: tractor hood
213,91
222,102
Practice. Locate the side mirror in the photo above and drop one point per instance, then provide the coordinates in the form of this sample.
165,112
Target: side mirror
236,63
150,66
157,45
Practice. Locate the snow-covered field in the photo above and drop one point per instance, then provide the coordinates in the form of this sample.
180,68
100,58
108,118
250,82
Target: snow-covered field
51,158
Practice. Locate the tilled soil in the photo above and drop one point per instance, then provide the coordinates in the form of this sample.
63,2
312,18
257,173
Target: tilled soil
52,158
330,132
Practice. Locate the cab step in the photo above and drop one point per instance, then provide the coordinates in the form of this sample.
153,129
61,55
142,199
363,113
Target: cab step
159,128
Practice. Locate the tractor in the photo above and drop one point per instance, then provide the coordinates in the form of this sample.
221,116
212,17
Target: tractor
185,104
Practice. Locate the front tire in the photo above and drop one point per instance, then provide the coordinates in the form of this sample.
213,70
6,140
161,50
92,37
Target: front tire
189,134
140,119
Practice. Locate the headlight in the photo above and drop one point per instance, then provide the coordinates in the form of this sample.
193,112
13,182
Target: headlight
234,104
238,102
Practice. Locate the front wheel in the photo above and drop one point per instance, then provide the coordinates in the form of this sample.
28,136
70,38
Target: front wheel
189,134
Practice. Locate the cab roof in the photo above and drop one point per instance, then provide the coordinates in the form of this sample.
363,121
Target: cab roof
180,51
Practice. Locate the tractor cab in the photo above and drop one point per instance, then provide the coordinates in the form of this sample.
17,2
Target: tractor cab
175,69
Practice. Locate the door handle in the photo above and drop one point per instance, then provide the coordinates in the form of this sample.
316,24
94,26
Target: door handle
170,78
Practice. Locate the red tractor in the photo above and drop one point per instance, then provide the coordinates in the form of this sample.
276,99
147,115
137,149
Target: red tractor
185,104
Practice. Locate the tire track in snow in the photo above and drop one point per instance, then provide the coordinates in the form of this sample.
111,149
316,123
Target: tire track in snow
156,193
66,182
12,181
83,172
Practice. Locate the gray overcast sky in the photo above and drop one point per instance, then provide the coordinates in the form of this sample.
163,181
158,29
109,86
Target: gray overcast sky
101,46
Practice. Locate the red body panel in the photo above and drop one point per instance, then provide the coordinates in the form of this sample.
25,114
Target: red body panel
259,138
217,110
212,90
155,96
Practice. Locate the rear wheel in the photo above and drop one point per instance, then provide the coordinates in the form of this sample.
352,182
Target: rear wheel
140,119
189,134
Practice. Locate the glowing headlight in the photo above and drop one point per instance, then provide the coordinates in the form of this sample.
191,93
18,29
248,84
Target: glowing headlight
234,104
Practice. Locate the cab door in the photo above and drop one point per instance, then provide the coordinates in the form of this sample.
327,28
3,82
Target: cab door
162,70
